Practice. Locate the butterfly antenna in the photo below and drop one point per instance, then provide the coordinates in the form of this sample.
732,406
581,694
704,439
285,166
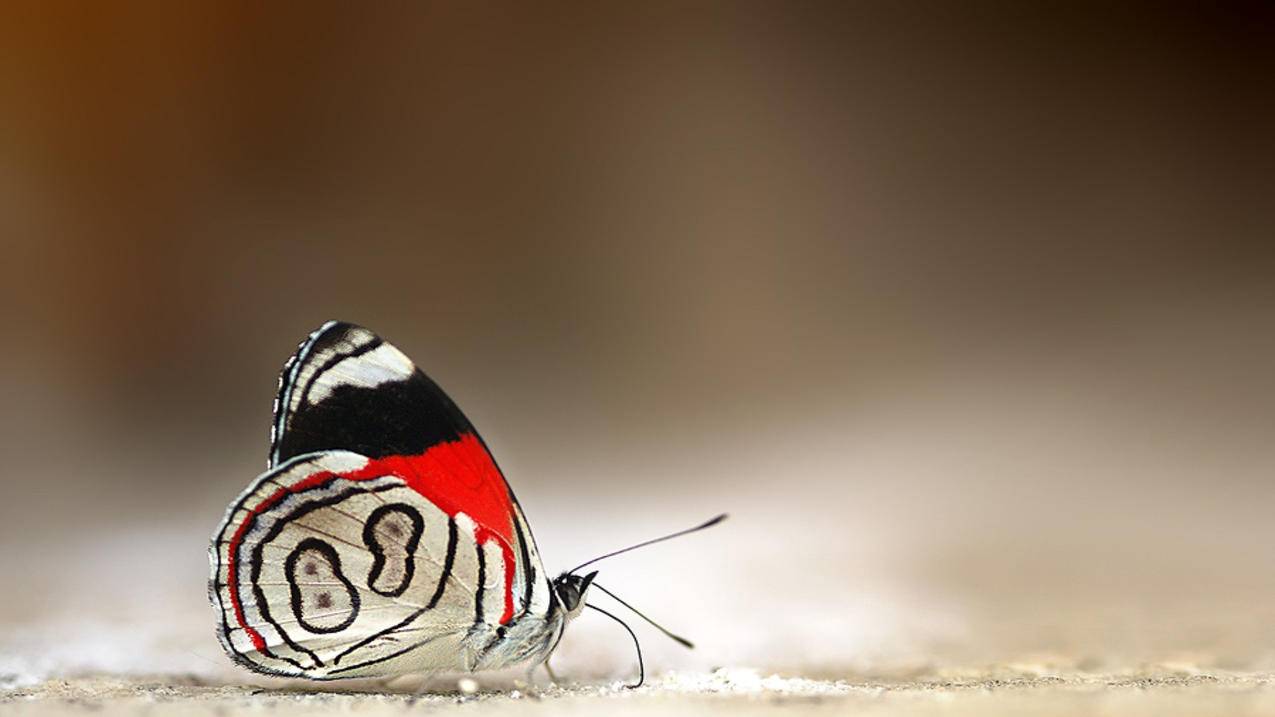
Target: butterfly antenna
636,644
676,638
660,539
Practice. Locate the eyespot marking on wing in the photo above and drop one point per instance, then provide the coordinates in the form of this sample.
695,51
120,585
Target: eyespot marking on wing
323,599
391,534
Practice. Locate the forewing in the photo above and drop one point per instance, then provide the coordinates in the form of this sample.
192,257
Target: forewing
347,388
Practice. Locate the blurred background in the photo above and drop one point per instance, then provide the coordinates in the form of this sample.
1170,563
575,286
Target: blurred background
964,311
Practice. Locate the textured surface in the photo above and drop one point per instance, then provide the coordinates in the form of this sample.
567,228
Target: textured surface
735,692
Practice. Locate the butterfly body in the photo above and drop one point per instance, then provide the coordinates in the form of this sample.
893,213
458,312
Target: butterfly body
383,539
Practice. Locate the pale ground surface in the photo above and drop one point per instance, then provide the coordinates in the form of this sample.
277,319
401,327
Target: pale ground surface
879,647
724,691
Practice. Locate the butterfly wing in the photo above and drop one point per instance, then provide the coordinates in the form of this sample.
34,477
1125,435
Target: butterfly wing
347,388
383,534
331,565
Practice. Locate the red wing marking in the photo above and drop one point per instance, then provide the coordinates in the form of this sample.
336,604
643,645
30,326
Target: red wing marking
458,477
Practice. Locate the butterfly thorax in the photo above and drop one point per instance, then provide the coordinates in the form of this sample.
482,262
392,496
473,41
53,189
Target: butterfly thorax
533,637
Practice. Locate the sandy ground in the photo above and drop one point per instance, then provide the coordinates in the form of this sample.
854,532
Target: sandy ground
781,632
724,691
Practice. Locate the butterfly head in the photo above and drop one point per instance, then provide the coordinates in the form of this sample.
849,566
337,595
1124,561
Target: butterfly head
570,590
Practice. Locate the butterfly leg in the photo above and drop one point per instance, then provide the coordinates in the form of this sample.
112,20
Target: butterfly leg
531,674
419,689
395,683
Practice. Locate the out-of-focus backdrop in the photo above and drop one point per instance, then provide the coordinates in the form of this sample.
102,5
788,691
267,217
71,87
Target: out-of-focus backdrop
965,311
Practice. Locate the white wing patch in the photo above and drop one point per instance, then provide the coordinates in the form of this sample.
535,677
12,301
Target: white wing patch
335,354
493,594
380,365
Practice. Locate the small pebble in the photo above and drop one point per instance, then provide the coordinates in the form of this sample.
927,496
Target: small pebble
467,686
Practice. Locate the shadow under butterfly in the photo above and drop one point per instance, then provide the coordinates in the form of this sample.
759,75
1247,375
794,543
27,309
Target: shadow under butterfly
383,540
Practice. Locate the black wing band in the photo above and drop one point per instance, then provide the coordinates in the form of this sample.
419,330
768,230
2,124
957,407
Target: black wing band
347,389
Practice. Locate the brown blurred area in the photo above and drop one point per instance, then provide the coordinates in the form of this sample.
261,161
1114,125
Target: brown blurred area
965,310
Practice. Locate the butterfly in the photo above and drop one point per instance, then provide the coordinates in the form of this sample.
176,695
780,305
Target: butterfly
383,539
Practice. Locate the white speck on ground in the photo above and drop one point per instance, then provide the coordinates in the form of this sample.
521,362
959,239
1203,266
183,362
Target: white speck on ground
743,681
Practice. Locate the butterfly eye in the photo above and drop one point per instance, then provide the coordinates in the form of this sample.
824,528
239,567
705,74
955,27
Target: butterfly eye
567,596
